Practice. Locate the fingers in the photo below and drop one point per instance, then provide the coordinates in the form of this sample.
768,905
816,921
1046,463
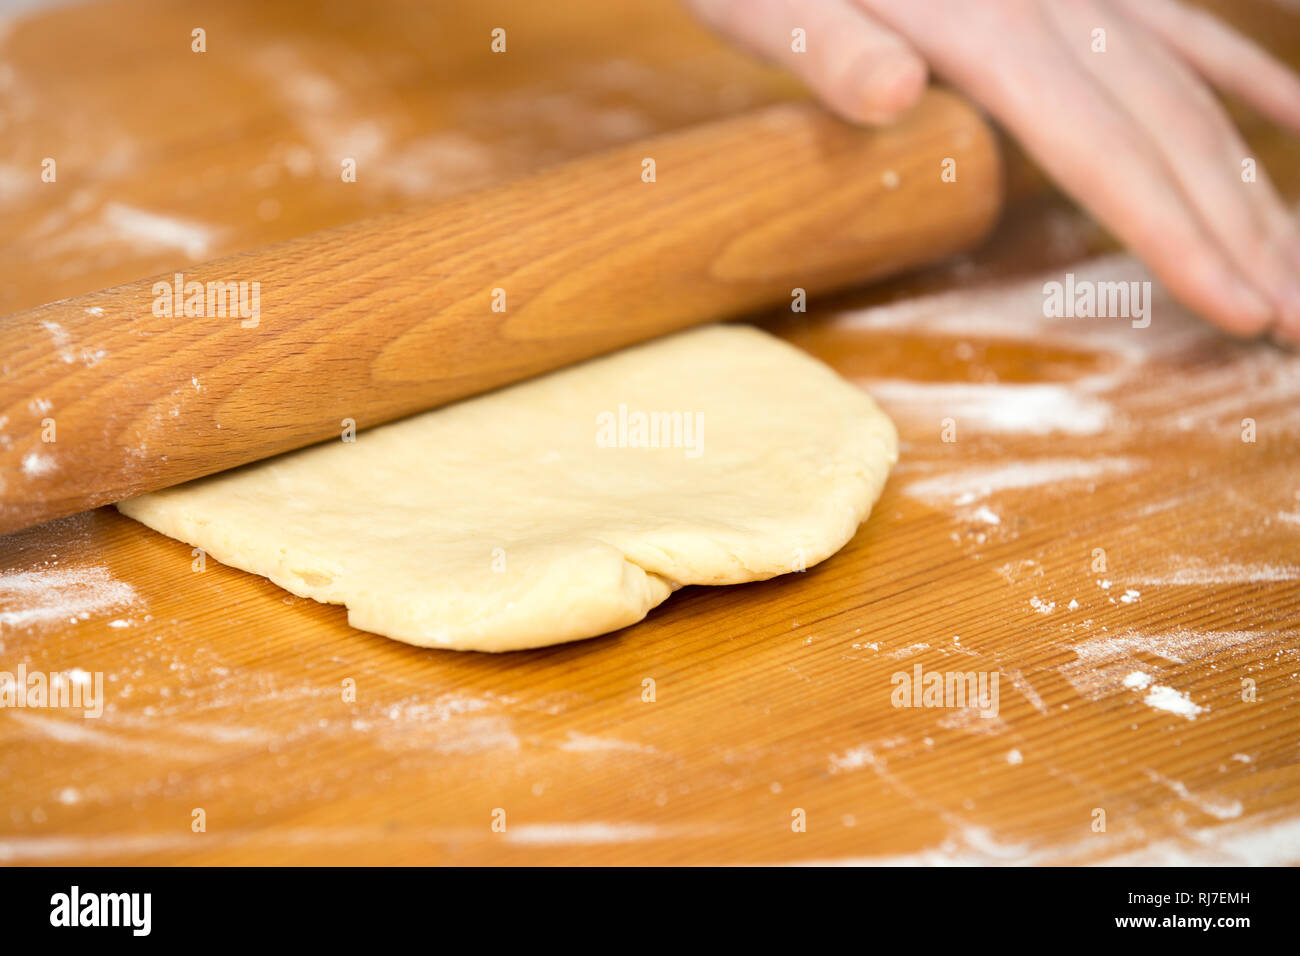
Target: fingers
859,69
1010,58
1197,142
1236,64
1223,56
1103,158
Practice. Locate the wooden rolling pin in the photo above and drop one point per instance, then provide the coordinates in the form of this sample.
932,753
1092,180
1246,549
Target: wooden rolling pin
123,391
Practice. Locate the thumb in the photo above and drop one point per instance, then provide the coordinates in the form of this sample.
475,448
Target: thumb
860,69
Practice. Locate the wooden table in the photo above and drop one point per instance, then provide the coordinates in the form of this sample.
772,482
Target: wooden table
1123,692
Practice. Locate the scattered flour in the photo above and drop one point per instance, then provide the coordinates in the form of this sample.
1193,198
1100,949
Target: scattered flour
450,723
67,351
1162,697
31,598
1014,312
581,743
61,339
967,485
1034,409
154,231
592,834
1219,809
1193,571
1041,606
1253,842
1107,665
78,733
909,650
1137,681
853,759
36,465
1179,646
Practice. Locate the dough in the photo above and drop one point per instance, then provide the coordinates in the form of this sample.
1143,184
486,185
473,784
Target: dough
536,514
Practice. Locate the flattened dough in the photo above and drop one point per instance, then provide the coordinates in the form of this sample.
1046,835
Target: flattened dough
501,522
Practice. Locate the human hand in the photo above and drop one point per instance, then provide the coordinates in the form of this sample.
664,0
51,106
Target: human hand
1132,131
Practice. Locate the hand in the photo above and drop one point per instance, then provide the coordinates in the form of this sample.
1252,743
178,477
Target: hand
1133,133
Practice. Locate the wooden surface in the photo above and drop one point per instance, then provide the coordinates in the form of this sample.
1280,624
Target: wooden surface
225,694
396,314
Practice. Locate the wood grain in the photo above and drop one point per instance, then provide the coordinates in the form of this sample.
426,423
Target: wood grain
226,694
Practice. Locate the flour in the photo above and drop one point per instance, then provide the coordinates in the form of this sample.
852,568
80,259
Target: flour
1212,806
36,465
1111,664
909,650
1192,571
440,164
1137,681
15,181
1014,312
154,231
1124,378
450,723
967,485
1180,646
1035,409
1271,841
68,352
1161,697
592,834
61,595
582,743
321,107
61,340
1041,606
853,759
120,227
77,732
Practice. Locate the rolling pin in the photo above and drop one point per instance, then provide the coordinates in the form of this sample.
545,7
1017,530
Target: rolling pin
166,379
